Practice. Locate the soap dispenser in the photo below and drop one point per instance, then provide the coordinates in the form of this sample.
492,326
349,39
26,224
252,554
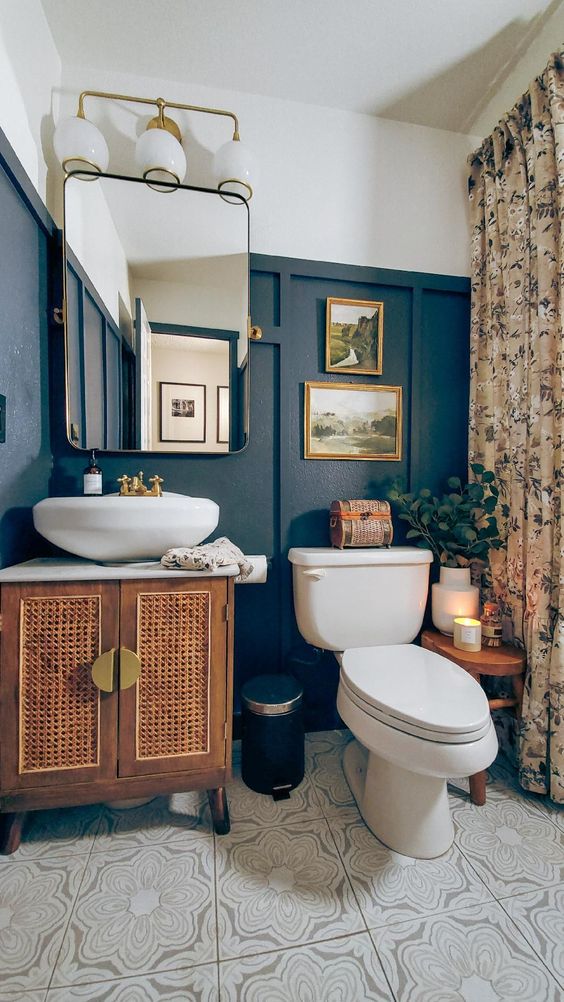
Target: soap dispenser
92,479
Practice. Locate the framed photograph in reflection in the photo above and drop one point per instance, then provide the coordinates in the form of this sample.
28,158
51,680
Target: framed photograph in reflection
223,415
182,414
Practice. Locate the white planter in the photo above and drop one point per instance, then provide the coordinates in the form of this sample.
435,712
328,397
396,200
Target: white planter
453,596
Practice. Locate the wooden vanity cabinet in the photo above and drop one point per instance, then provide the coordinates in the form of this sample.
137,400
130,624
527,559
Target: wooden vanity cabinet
64,741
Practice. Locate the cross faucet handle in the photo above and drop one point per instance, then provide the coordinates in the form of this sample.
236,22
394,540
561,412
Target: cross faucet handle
124,482
156,481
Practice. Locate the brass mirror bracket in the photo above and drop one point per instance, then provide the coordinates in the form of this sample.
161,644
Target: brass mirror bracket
254,333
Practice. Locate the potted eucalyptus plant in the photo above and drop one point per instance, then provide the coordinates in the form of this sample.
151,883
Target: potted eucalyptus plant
460,527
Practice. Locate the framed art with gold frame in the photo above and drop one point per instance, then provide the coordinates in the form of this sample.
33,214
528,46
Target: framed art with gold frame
352,421
354,336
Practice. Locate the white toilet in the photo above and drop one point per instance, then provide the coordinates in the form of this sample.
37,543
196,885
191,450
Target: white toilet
417,717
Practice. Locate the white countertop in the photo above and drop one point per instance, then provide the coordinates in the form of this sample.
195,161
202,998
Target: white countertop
76,569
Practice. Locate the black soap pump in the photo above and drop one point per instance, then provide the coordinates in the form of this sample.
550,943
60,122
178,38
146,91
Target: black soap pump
92,479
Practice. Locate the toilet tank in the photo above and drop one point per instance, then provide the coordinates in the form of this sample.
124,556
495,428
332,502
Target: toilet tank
359,597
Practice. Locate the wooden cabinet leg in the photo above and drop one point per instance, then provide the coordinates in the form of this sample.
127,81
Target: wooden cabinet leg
11,826
220,810
478,788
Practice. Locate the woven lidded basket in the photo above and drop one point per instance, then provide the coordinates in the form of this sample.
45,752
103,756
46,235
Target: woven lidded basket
360,523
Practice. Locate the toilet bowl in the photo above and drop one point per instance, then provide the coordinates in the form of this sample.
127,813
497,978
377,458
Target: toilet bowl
417,717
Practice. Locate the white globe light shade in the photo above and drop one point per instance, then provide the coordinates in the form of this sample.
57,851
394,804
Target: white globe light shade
235,168
79,144
160,156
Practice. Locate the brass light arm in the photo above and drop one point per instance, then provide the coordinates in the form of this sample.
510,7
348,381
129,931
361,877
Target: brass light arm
160,104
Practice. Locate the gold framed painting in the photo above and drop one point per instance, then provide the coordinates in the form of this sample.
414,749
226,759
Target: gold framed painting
352,421
354,336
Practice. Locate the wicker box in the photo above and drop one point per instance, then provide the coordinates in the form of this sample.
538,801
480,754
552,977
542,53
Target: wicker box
360,523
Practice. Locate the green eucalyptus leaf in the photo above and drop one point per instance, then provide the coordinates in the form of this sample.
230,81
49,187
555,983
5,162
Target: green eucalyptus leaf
454,482
477,468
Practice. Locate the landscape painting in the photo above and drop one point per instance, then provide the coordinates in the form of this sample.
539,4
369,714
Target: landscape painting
354,336
352,421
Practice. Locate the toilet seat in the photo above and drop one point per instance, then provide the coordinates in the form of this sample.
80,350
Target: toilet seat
417,692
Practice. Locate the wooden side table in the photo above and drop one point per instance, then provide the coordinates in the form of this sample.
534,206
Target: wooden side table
506,660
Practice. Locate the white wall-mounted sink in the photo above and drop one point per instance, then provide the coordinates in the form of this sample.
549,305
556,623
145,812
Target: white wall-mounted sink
114,528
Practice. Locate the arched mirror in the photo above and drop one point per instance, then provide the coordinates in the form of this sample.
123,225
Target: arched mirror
156,316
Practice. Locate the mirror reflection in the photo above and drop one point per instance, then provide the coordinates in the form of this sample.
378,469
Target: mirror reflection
157,282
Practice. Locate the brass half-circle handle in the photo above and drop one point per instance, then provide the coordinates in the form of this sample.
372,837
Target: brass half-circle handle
103,671
129,668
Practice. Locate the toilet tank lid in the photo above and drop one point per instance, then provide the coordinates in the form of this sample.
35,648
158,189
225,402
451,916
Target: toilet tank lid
327,556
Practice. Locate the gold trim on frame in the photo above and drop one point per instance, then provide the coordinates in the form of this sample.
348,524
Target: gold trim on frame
364,387
355,370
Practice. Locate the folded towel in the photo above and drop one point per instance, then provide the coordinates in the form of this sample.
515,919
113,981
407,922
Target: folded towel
220,553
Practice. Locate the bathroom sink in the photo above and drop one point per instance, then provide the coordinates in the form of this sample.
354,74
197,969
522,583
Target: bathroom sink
112,528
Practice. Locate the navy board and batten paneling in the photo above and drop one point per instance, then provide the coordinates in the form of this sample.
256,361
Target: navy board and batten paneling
426,345
95,353
270,497
27,234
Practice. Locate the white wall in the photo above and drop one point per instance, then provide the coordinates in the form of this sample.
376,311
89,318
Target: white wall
30,79
184,366
212,294
334,186
92,236
530,65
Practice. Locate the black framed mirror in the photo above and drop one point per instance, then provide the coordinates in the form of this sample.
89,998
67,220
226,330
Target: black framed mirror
156,316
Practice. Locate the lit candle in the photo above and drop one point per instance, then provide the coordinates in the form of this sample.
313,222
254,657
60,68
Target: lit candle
467,634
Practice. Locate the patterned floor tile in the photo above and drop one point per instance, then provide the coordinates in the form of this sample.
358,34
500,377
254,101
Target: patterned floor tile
511,844
248,809
38,996
540,917
197,984
281,887
324,759
474,955
58,833
141,910
36,899
343,970
391,887
164,819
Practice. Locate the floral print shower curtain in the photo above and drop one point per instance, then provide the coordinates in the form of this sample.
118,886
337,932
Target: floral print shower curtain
516,189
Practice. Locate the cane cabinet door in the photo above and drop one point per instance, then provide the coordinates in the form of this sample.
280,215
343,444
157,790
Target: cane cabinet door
57,727
173,717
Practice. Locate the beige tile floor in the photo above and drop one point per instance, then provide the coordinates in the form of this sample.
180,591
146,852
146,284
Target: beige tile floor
300,903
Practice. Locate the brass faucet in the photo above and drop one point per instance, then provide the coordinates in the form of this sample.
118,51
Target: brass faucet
134,486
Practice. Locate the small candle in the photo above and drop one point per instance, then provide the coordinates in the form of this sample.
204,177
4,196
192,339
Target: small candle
467,634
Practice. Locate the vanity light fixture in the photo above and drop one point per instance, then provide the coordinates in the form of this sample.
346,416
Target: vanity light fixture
158,152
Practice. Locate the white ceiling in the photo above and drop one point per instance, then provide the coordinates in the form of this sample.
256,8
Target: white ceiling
428,62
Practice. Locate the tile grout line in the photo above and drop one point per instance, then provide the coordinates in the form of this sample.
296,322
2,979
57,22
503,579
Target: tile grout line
216,911
362,913
72,908
531,946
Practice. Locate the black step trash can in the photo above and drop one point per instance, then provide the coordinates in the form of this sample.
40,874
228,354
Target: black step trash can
273,735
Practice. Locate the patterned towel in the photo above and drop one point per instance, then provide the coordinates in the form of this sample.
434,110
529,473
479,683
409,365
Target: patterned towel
207,557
